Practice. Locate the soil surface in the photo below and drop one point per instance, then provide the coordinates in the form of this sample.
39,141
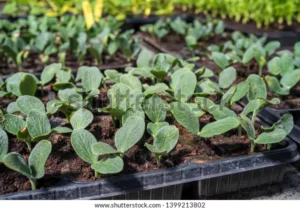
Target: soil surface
33,64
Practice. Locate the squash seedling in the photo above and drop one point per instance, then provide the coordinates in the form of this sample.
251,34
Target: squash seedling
36,127
89,150
35,168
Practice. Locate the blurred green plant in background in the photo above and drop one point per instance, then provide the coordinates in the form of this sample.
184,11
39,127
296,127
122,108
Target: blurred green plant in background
262,12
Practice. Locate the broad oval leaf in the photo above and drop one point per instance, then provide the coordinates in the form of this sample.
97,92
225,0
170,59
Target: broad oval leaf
81,119
152,128
290,79
28,103
271,47
91,79
38,124
16,162
157,88
138,111
3,144
109,165
101,148
131,81
166,138
241,90
248,126
13,123
183,83
275,86
49,72
228,95
12,108
185,116
28,85
129,134
271,137
82,141
144,58
227,77
257,87
219,127
220,59
155,109
38,158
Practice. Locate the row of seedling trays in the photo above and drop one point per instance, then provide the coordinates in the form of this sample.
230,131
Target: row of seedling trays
176,107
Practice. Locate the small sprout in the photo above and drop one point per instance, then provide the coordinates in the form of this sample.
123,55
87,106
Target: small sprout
35,169
164,141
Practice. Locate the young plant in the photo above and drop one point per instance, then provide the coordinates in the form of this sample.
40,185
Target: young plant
88,149
3,144
36,127
35,168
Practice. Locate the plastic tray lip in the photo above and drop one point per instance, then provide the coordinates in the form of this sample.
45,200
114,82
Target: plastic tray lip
291,149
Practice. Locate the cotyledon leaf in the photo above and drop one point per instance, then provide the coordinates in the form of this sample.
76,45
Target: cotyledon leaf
28,103
109,165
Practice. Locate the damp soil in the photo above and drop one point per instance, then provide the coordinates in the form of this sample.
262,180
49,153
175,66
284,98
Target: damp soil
63,161
32,64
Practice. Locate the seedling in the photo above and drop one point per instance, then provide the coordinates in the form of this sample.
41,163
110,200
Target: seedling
35,168
88,149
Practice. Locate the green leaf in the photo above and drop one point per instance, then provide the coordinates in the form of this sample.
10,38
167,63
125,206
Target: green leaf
28,103
227,77
155,108
70,96
161,66
271,137
274,66
132,81
13,123
271,47
16,162
12,108
63,130
248,126
118,96
297,49
112,75
248,55
155,150
287,122
91,79
38,124
228,95
38,158
109,165
28,85
275,86
157,88
206,87
49,72
166,138
144,58
183,83
196,109
290,79
63,75
219,127
241,90
81,119
220,59
3,144
257,87
219,112
138,111
130,133
82,141
101,148
185,116
152,128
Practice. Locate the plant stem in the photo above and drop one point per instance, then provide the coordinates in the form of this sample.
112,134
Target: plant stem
96,174
28,145
252,147
253,118
269,146
260,70
33,184
42,90
113,121
240,131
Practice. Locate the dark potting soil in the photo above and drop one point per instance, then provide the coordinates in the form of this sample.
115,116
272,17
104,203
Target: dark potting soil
64,162
33,64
